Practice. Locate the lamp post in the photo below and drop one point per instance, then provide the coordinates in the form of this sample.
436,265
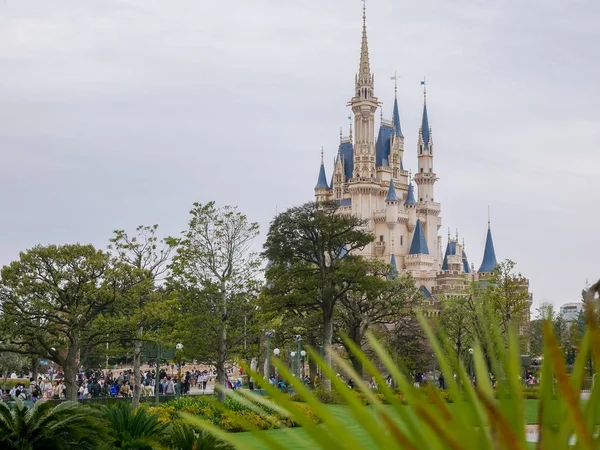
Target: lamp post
292,358
471,364
303,354
179,347
268,334
299,342
157,375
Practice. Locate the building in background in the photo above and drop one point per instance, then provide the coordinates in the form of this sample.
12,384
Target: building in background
570,311
370,180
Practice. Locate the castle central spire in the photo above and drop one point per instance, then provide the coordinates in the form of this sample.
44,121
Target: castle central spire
364,69
364,104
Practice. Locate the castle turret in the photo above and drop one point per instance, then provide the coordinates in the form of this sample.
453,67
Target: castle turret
419,243
394,271
322,189
489,262
411,205
391,206
364,105
425,178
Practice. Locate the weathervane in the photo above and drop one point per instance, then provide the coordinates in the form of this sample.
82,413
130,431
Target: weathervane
395,78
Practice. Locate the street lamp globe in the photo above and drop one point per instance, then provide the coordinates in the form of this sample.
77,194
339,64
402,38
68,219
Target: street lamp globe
470,351
292,354
179,346
276,351
303,353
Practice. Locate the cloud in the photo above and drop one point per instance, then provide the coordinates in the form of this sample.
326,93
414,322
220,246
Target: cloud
117,113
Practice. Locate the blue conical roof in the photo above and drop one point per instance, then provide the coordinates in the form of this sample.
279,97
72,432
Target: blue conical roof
419,243
450,251
396,119
394,272
391,195
425,292
466,267
425,126
322,181
383,145
489,262
410,197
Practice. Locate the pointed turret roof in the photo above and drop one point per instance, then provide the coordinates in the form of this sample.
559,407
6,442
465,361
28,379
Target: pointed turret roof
410,197
489,262
466,267
364,69
394,272
396,119
425,126
419,244
322,181
391,195
383,145
450,251
423,290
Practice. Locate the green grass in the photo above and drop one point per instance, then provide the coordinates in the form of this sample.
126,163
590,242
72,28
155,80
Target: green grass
297,439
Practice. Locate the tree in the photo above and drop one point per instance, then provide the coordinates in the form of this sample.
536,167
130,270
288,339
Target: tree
52,295
145,257
508,295
457,322
215,275
68,425
376,299
9,362
310,248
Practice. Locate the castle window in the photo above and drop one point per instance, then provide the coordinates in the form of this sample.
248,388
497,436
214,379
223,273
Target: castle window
421,199
381,238
430,170
401,240
421,170
421,150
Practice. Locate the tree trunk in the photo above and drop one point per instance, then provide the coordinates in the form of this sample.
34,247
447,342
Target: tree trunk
312,368
356,364
34,368
222,354
70,369
327,340
137,376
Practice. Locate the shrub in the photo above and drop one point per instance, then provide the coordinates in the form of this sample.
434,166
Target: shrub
68,425
134,429
476,420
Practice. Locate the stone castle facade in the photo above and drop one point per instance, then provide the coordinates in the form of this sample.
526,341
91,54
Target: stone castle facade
369,180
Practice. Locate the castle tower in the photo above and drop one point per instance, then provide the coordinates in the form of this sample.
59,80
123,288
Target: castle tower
364,105
489,262
425,178
322,189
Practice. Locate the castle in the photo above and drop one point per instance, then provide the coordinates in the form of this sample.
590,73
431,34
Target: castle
369,180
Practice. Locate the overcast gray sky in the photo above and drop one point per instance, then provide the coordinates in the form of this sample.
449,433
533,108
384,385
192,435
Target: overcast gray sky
119,113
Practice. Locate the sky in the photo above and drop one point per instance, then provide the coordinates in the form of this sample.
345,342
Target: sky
117,113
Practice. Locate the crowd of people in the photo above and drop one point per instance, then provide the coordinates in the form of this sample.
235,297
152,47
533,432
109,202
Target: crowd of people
106,383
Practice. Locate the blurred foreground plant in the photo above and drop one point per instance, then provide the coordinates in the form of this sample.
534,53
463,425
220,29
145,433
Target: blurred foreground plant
482,417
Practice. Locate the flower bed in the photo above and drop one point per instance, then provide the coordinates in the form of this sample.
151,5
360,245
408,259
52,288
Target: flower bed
232,416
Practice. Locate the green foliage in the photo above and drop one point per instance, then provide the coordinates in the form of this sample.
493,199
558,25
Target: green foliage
10,383
311,269
481,416
68,426
215,274
184,437
133,428
65,288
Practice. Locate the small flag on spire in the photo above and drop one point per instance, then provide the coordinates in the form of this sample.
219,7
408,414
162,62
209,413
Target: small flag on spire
422,83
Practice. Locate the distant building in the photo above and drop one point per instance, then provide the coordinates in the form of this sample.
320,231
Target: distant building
570,311
369,180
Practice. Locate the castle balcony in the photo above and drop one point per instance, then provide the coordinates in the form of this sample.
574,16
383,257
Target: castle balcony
418,260
379,247
379,216
429,208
